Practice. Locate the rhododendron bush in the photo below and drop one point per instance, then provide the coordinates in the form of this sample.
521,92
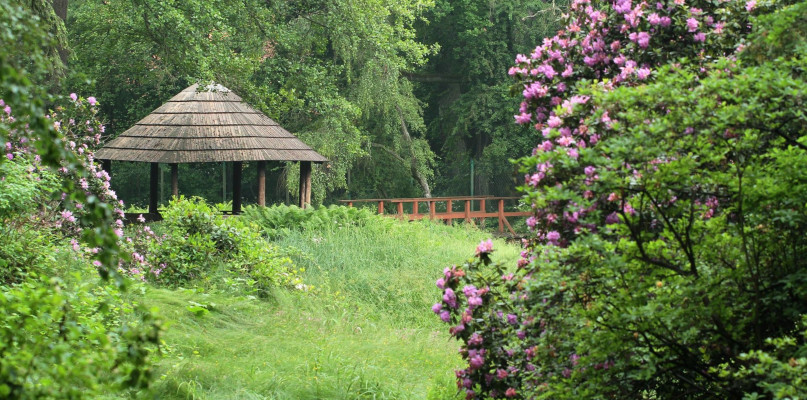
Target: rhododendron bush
669,195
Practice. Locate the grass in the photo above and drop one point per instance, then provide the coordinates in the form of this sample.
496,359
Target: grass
365,330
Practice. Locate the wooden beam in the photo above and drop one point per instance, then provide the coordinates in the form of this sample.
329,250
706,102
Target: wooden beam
262,183
305,183
175,180
237,187
153,184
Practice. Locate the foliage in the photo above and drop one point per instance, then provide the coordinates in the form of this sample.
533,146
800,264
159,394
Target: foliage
666,238
196,244
465,88
56,345
279,220
328,71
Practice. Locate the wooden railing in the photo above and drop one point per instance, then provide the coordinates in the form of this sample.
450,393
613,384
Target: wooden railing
475,209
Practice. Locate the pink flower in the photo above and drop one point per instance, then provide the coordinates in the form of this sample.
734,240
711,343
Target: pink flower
437,307
484,247
441,283
750,5
700,37
511,392
523,118
91,100
692,24
590,170
554,121
445,316
68,216
553,237
73,96
643,73
10,156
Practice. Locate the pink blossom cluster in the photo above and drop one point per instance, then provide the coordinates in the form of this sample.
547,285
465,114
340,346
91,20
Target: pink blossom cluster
614,43
80,132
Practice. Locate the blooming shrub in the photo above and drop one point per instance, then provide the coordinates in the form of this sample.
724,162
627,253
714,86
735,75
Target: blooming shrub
53,313
669,216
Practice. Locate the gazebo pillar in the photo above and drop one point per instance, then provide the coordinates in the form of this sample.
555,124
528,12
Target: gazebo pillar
236,187
153,183
262,183
175,180
305,183
106,165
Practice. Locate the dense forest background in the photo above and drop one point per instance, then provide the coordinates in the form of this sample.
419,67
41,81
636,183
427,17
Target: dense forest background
406,98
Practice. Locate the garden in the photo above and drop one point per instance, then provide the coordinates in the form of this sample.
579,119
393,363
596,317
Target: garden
660,148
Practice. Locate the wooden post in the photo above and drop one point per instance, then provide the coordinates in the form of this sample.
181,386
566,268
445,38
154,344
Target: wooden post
400,210
350,204
380,208
415,205
153,183
237,187
262,183
467,210
432,210
175,180
449,210
501,215
482,208
305,183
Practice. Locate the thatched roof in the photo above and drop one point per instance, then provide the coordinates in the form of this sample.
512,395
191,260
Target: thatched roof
207,125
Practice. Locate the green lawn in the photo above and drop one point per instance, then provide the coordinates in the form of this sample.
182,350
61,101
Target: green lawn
365,330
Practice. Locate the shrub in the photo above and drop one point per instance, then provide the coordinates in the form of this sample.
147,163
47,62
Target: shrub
196,242
669,218
276,220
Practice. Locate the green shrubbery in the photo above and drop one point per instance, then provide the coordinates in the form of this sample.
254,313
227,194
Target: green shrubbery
197,245
670,223
280,219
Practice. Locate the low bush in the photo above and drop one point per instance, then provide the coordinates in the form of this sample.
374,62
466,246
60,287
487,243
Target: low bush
196,243
278,220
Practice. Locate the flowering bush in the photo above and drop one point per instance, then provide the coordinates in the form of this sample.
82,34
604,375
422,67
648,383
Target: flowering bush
669,216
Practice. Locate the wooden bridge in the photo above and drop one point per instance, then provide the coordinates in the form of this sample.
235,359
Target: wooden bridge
444,208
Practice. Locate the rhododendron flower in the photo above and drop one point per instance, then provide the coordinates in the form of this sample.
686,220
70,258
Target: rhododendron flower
450,298
522,118
553,237
91,100
445,316
692,24
512,319
700,37
590,170
643,73
10,156
511,392
554,121
475,339
68,216
441,283
73,96
485,247
750,5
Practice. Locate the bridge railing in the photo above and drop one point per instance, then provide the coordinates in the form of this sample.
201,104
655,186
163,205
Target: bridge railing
472,209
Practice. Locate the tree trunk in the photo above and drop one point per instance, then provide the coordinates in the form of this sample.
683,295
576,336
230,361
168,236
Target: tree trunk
60,8
413,162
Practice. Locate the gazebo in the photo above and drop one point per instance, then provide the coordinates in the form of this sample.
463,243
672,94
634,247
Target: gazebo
210,124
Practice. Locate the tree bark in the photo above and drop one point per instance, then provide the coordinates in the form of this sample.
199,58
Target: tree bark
413,162
60,8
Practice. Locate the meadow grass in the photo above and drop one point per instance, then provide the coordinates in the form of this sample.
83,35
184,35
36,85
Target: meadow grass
364,331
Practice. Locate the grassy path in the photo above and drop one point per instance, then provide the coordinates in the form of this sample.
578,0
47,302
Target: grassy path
364,332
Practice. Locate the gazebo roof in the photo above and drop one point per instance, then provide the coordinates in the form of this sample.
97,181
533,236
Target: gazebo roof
207,125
